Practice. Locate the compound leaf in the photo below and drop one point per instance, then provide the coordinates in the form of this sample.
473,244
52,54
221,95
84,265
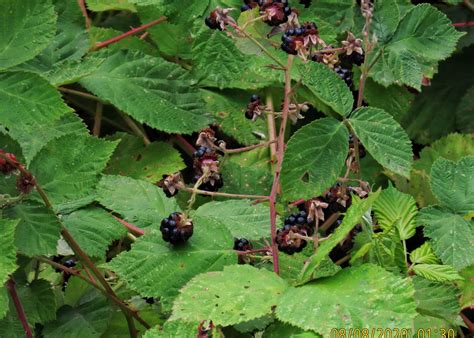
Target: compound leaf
239,293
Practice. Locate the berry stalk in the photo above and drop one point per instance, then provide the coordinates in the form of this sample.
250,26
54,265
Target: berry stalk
224,194
19,307
280,155
82,6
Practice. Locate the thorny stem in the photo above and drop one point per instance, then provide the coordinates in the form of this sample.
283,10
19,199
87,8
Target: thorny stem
79,93
183,144
343,259
241,150
82,6
98,119
465,24
77,249
468,322
255,41
224,194
316,236
132,228
130,32
280,154
19,307
194,191
271,128
329,221
469,4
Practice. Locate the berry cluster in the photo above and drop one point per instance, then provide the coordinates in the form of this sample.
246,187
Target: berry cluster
206,166
176,228
254,110
338,199
295,224
295,39
276,11
242,244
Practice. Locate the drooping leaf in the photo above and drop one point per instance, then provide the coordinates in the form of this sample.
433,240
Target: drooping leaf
27,28
384,139
94,229
437,272
38,231
385,300
452,236
436,299
424,255
69,167
314,158
453,184
139,202
239,293
396,208
149,163
352,217
155,268
39,105
239,216
328,87
150,89
8,257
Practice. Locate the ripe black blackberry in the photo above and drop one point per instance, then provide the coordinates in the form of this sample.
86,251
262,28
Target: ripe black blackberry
294,224
211,21
345,74
277,11
338,199
242,244
203,151
211,186
357,58
176,228
295,37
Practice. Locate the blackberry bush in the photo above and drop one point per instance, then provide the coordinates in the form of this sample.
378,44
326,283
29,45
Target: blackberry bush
235,168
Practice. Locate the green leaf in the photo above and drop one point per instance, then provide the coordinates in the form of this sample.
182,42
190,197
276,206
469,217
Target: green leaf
436,272
384,139
239,293
424,36
424,255
314,158
385,20
396,208
139,202
8,257
173,329
464,111
241,217
452,147
38,301
339,13
10,326
452,237
69,44
229,107
68,169
353,215
279,329
466,286
328,87
216,59
107,5
94,229
436,299
248,172
37,102
134,159
87,320
385,300
3,305
453,184
151,90
155,268
27,28
38,231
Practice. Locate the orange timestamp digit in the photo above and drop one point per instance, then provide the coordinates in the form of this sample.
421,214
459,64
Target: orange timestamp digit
390,333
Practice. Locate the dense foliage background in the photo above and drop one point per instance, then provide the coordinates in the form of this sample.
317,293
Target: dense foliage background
315,180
